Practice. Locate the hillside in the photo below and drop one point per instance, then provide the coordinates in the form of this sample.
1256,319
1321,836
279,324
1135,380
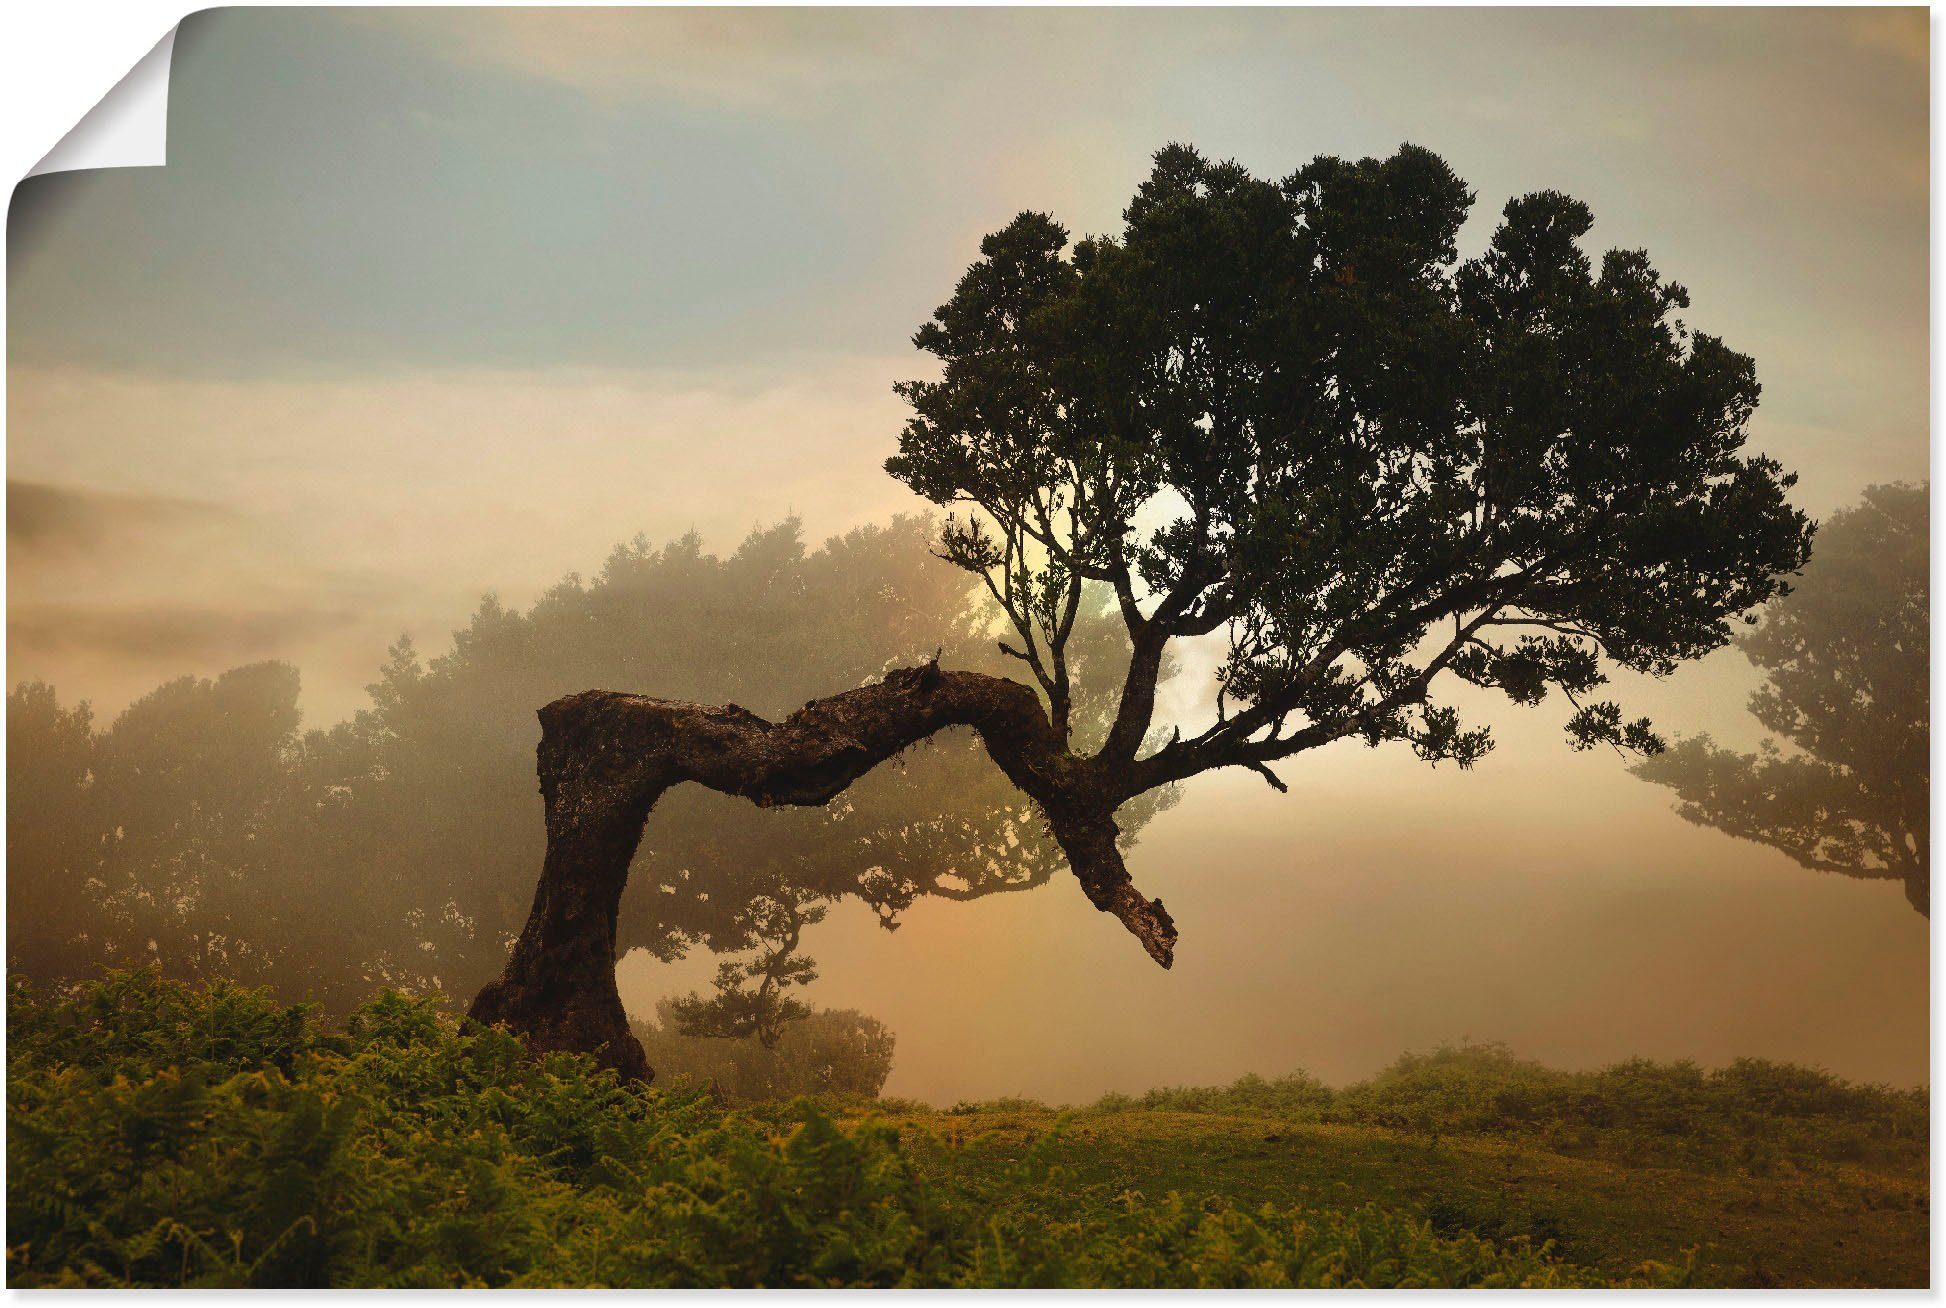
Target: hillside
1794,1225
270,1150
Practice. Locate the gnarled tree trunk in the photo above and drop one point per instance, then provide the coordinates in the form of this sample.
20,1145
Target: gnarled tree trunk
605,758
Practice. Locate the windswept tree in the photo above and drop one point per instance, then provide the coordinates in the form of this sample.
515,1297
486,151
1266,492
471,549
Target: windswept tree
202,832
427,799
1843,782
1284,411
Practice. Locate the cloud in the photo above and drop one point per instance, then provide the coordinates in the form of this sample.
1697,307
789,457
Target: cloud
196,634
317,520
52,521
111,592
752,60
1903,32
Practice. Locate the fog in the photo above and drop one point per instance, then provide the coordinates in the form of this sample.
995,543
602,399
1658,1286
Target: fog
354,360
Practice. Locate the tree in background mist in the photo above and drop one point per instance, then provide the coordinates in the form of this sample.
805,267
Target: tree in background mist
55,911
1284,412
202,831
158,838
824,1051
1846,657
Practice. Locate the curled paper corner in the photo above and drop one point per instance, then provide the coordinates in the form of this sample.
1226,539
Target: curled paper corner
128,127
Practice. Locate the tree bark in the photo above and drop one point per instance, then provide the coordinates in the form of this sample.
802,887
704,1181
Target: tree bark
605,758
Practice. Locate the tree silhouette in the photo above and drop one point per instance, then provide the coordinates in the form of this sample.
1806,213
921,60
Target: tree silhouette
432,795
1846,656
1284,411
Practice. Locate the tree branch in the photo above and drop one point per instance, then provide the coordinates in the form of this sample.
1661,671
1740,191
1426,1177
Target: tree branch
605,759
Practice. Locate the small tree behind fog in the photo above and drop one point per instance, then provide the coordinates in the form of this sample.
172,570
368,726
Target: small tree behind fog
203,831
1843,782
825,1051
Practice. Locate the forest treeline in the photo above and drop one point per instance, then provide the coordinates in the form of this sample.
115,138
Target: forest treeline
204,830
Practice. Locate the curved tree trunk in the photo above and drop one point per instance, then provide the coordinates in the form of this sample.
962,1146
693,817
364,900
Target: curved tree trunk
605,758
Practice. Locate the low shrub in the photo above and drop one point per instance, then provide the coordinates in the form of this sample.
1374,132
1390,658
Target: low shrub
1298,1095
1751,1114
1002,1104
832,1051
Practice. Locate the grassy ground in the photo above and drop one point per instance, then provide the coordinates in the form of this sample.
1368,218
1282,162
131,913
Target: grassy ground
1838,1225
160,1134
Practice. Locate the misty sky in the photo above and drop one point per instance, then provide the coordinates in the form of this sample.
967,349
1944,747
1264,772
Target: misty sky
429,303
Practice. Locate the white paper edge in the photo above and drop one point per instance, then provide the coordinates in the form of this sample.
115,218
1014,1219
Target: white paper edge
128,127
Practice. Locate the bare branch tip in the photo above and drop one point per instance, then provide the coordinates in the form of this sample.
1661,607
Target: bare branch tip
1276,782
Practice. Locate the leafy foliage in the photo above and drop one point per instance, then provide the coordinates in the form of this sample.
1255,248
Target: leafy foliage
164,1135
1844,782
1288,411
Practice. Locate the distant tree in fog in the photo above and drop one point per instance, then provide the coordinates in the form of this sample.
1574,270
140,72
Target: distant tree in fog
55,909
154,840
1843,782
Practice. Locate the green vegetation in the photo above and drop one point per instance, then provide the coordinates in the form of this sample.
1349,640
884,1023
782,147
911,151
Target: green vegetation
166,1134
1754,1113
1298,1095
